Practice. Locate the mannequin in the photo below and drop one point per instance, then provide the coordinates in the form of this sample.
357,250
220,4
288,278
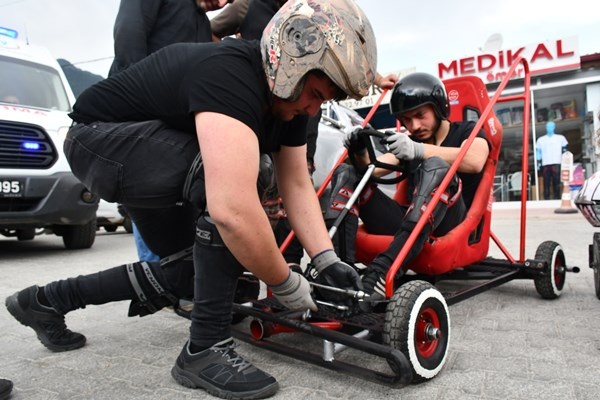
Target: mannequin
549,149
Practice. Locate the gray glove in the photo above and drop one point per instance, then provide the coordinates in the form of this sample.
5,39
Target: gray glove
294,293
404,148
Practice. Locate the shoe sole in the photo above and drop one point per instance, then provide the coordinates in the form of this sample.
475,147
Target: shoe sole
13,307
194,382
5,394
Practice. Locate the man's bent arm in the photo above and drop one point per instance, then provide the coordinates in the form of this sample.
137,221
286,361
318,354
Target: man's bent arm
300,200
230,155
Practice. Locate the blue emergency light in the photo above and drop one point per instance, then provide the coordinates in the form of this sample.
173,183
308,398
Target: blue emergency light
32,146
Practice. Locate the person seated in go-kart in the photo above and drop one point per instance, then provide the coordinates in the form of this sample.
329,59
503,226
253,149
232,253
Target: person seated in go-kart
419,101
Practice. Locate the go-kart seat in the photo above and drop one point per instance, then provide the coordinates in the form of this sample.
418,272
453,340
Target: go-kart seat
469,241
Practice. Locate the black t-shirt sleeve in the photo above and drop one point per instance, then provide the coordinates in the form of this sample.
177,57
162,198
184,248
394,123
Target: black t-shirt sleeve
460,131
227,87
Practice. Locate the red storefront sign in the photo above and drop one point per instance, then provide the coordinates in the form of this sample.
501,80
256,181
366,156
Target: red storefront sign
546,57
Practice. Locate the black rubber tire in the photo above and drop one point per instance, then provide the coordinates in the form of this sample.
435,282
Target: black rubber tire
127,224
596,263
25,234
79,236
110,228
416,307
551,283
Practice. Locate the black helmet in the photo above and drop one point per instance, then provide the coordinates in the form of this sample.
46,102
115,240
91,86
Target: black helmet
417,89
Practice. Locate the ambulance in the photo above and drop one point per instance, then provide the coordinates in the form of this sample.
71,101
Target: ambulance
38,192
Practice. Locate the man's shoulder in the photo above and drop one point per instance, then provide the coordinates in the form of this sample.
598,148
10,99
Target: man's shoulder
461,128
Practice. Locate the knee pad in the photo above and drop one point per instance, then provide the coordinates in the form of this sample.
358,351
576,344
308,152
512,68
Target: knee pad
194,190
208,237
428,177
343,183
151,296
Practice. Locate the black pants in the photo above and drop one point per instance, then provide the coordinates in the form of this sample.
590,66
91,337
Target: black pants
382,215
143,165
551,175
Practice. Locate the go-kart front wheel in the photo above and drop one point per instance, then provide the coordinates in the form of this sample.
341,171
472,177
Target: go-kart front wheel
550,284
417,323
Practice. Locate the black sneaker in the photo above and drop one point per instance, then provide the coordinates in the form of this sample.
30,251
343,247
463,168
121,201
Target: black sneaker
223,373
47,323
5,388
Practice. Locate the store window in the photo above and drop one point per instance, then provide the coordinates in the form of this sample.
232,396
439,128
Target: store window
563,105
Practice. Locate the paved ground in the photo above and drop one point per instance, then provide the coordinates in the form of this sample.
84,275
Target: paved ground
506,343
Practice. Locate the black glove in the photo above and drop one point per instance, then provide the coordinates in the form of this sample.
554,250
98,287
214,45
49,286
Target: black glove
354,141
336,273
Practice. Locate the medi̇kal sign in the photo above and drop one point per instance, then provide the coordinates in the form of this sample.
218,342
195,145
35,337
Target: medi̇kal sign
544,58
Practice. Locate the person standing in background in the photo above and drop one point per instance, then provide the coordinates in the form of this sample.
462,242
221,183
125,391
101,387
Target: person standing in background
144,26
549,149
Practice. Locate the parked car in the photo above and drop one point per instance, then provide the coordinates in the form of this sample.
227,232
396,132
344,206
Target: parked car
38,192
112,215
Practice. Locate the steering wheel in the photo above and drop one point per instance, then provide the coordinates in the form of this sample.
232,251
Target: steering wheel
402,168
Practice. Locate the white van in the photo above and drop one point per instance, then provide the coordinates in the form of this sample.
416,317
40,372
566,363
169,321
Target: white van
38,191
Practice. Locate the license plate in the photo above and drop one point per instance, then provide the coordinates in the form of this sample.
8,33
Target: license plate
11,188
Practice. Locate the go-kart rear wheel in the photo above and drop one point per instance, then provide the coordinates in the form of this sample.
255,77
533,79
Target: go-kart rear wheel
550,284
595,264
417,323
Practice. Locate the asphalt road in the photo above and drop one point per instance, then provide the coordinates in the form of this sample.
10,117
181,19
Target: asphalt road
506,343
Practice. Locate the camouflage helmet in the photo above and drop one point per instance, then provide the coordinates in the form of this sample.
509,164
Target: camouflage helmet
333,36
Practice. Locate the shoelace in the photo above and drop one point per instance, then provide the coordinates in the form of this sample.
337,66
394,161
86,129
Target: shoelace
236,360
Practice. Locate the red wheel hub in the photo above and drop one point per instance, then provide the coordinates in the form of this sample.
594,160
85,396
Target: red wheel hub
558,272
427,332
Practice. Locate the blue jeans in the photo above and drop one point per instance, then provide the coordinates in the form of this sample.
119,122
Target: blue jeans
144,253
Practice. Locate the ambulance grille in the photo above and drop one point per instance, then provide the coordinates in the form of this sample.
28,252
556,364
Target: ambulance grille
25,146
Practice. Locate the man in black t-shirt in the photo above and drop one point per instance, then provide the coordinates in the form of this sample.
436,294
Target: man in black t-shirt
420,103
136,140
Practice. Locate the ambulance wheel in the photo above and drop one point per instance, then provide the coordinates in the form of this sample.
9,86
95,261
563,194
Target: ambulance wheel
550,283
417,323
596,263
